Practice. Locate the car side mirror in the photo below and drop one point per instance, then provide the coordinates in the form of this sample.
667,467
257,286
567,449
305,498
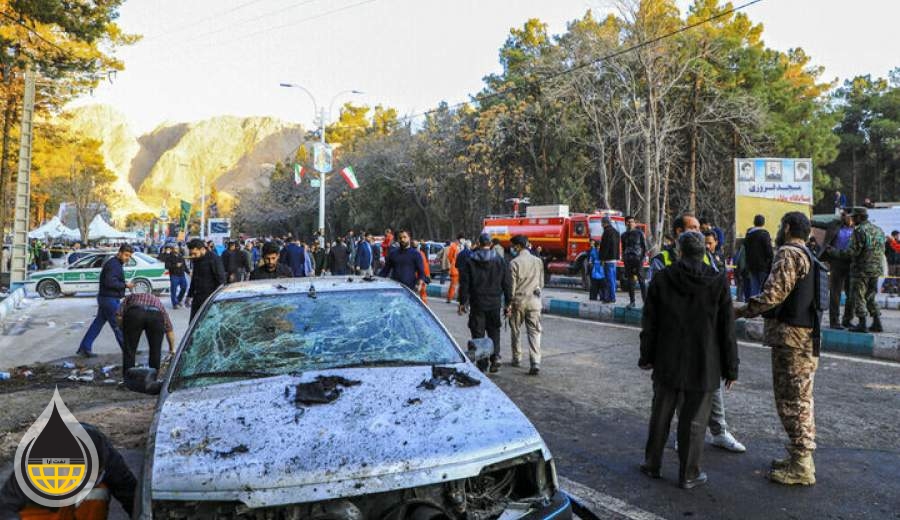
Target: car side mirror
142,380
479,349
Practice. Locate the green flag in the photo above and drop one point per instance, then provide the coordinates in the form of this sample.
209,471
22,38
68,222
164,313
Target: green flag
185,215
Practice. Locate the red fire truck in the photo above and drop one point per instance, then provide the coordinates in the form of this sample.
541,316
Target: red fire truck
564,238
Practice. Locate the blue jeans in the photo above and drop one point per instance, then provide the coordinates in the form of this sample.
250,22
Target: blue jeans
177,288
106,313
609,271
757,280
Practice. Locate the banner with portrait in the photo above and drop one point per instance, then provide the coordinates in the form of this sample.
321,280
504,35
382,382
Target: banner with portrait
771,187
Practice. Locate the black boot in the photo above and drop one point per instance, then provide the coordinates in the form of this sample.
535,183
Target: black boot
876,324
860,327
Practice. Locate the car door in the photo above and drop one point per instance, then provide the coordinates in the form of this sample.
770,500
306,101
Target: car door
83,275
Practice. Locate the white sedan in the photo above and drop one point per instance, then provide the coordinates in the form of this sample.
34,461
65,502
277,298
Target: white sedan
145,272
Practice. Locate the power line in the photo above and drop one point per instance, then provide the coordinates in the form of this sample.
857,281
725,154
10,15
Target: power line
34,32
590,63
249,20
202,20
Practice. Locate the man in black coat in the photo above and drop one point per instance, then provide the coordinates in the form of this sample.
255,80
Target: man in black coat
271,268
483,279
689,301
339,258
759,252
208,274
609,255
235,263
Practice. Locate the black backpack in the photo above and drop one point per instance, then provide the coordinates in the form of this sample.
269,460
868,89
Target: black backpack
819,272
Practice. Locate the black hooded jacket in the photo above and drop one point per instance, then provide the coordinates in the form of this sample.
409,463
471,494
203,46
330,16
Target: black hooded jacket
483,279
688,328
208,275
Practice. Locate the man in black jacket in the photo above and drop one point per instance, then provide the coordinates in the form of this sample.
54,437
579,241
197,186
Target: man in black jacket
634,250
609,255
235,263
837,238
112,289
483,279
758,248
339,258
691,302
177,274
208,274
271,268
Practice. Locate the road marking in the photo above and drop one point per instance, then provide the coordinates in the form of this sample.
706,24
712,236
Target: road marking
828,355
598,502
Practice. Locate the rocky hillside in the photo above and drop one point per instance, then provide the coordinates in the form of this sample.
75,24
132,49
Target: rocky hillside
169,163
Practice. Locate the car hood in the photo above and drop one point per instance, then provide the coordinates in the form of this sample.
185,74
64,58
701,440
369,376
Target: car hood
248,441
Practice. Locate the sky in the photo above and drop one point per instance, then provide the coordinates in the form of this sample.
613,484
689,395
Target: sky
204,58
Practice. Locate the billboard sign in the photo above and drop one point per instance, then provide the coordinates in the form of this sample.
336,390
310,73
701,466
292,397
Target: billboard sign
785,180
322,155
218,228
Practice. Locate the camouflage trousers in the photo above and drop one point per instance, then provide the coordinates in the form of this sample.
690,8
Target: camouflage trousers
793,372
862,296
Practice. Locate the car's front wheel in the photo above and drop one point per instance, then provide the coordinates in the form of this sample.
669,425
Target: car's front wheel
142,286
49,289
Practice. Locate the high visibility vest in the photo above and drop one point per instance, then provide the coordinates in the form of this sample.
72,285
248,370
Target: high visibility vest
95,506
667,259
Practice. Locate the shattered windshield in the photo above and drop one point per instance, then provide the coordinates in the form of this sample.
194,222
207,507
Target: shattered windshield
278,334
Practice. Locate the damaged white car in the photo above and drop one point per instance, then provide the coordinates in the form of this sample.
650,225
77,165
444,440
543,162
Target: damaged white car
338,399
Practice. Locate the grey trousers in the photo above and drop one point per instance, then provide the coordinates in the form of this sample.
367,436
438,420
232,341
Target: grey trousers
717,424
693,408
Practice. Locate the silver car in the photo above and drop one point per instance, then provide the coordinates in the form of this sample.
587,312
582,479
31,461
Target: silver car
337,398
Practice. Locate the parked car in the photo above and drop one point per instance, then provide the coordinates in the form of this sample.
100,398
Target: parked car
147,273
434,263
337,398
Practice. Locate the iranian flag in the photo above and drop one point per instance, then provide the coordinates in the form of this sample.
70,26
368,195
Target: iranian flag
350,177
299,172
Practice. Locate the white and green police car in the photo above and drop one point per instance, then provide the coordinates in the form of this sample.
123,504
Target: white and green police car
145,272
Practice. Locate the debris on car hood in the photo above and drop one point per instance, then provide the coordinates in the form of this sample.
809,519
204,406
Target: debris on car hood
448,376
324,389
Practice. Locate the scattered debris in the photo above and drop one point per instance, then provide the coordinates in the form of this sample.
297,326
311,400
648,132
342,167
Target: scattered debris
324,389
414,401
240,448
108,369
449,376
67,364
24,372
4,376
83,376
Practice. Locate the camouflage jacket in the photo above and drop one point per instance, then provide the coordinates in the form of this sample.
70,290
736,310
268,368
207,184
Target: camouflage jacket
866,251
789,267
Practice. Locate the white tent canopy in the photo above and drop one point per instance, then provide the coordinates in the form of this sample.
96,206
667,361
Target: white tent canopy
55,229
99,229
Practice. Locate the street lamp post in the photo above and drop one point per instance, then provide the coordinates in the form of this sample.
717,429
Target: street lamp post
322,123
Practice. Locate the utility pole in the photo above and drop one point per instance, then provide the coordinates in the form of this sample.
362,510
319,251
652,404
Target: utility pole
322,186
19,267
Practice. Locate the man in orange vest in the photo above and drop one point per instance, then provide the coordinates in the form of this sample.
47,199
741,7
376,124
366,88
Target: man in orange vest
115,479
452,252
423,288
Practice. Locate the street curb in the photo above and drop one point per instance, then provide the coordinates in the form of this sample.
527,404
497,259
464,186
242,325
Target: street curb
11,302
879,346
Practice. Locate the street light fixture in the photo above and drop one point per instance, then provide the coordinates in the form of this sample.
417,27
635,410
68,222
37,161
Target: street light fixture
322,123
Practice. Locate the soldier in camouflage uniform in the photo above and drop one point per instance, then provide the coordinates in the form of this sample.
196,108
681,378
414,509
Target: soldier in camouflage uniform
866,255
794,360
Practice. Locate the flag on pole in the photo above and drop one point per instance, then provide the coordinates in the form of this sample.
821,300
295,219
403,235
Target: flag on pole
299,172
350,177
185,215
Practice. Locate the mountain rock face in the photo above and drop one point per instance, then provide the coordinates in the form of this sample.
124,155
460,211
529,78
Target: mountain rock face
232,154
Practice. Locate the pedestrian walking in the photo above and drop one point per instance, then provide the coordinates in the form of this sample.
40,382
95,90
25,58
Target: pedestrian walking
866,255
598,277
788,299
318,258
445,262
688,340
892,256
423,287
758,248
387,242
339,258
236,263
634,250
144,314
484,284
364,257
452,253
208,274
706,225
498,248
837,239
524,308
712,249
404,264
112,289
271,268
721,437
609,255
251,263
177,268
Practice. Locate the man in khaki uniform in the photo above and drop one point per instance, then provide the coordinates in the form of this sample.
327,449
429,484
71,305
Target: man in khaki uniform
787,304
527,273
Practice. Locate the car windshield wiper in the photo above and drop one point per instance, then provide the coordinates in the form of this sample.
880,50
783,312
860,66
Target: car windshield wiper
226,373
383,363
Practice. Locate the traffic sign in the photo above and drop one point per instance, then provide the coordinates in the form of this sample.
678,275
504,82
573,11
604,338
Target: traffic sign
315,183
322,157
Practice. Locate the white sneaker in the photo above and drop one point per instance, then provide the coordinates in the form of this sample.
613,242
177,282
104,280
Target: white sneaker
726,441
